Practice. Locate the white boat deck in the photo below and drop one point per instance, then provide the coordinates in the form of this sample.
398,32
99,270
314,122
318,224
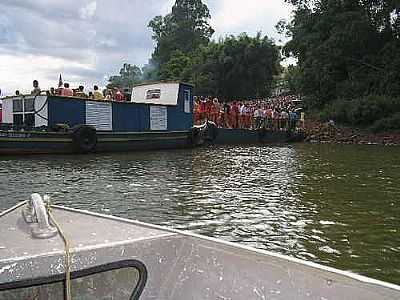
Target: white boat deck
180,266
83,232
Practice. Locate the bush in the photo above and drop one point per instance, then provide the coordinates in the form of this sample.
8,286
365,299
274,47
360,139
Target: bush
362,111
391,123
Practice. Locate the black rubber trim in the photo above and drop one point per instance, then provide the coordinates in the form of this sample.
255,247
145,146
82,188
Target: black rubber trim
138,289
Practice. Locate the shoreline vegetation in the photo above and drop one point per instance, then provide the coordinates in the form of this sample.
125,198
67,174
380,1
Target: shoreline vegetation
348,67
318,132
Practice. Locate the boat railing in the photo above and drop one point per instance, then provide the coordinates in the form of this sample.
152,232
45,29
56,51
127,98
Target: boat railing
21,128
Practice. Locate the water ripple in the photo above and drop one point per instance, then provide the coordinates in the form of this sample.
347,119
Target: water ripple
334,205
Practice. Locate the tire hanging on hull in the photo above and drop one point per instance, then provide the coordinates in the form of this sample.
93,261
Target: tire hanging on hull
84,138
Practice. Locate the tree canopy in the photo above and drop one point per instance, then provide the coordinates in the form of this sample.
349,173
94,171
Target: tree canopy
184,29
237,67
346,49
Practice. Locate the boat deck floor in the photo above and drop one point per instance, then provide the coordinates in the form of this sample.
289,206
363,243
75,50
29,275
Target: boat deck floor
87,231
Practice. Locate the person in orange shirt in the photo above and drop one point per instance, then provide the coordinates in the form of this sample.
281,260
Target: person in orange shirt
196,111
215,111
208,108
202,109
226,115
234,114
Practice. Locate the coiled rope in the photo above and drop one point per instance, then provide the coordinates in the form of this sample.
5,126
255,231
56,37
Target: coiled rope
67,261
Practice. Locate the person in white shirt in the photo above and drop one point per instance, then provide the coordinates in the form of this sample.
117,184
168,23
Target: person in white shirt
242,115
258,115
284,119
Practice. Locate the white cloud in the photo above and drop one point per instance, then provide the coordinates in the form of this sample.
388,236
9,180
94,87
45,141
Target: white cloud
18,72
88,11
251,16
86,40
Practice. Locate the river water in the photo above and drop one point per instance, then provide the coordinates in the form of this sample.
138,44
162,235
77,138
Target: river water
331,204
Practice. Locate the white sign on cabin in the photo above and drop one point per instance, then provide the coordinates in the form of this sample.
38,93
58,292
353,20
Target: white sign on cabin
99,115
157,93
186,96
158,118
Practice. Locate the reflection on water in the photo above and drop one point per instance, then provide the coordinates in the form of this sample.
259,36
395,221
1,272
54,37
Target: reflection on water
336,205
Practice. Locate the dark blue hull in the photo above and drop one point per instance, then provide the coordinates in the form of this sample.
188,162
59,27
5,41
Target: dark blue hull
244,136
17,142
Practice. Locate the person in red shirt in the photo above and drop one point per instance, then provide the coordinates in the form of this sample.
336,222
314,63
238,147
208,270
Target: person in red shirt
66,91
118,95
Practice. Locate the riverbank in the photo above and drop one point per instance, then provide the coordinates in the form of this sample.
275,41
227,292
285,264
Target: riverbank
318,132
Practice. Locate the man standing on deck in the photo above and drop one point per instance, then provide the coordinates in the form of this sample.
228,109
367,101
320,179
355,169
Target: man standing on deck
36,89
97,95
119,96
66,91
258,116
81,92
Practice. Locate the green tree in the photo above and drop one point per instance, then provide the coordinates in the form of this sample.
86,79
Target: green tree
184,29
346,49
237,67
178,67
129,75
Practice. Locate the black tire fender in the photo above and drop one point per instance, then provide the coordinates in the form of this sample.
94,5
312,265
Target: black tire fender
195,136
84,138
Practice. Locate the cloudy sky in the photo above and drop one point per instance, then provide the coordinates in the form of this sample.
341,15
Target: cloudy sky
88,40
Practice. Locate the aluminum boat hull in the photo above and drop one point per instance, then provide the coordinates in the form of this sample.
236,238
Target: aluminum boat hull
180,265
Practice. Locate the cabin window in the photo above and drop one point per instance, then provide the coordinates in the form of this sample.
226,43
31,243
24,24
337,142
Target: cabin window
18,105
29,120
24,112
29,105
153,94
113,281
18,119
186,97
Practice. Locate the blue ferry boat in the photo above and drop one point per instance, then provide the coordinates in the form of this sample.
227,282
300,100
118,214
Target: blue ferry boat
158,116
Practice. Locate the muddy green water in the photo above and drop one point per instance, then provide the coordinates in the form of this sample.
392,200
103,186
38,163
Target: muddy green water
334,205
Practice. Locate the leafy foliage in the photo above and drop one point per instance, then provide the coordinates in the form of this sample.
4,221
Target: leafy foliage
184,29
237,67
347,50
233,67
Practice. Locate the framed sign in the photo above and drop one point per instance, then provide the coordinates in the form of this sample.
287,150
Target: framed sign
158,118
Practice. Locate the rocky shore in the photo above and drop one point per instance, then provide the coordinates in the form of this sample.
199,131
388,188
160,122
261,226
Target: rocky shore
318,132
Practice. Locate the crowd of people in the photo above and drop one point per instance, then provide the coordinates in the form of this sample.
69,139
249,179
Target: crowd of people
65,91
278,113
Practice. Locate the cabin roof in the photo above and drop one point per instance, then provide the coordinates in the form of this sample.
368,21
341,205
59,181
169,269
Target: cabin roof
74,99
163,82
